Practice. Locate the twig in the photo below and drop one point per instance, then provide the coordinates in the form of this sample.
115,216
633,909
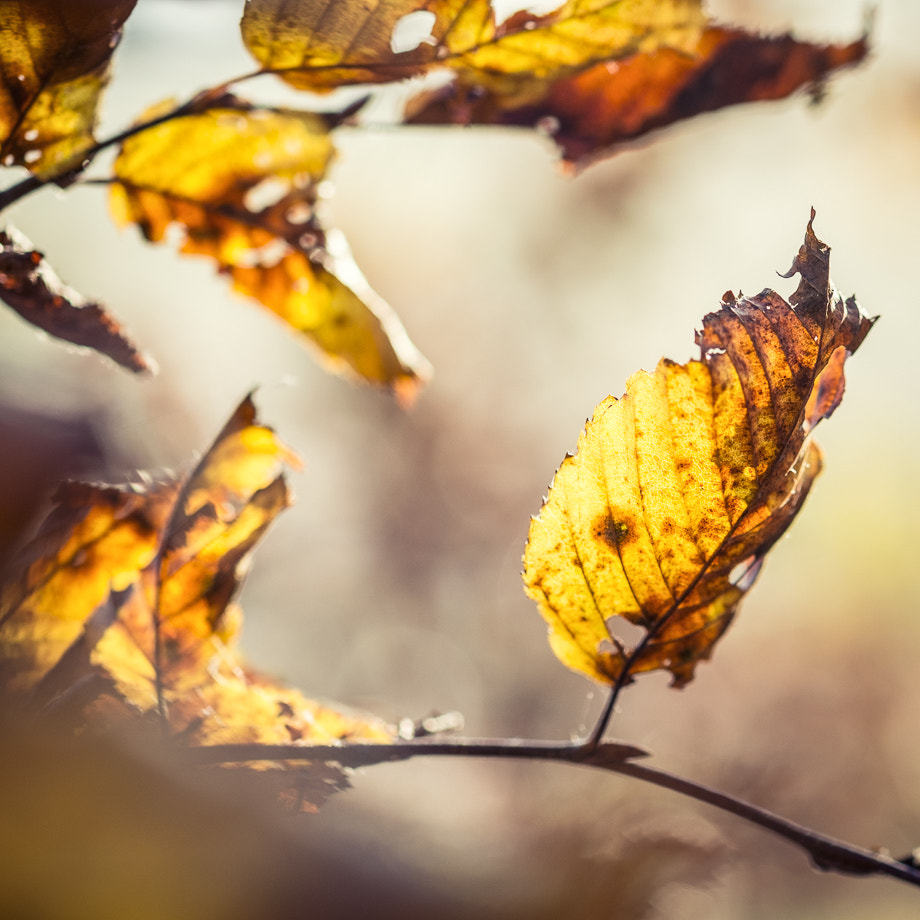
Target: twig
197,103
826,853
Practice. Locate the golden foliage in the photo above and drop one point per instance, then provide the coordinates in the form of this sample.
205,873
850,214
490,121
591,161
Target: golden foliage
54,63
121,609
242,184
321,44
680,487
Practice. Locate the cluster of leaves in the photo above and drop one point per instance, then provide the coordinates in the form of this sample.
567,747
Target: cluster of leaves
119,615
242,181
120,612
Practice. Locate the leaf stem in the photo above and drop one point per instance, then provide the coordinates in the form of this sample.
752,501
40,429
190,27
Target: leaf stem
826,853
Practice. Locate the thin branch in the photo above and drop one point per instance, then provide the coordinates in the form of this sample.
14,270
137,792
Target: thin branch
197,103
826,853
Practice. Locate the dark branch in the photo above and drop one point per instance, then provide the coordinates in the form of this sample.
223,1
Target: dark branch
826,853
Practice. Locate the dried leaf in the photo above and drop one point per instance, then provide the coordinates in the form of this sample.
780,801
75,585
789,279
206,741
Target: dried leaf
679,488
242,184
54,64
121,610
322,44
595,112
30,286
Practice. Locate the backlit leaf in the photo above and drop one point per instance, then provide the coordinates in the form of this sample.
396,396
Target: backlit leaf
321,44
680,487
242,185
54,63
96,538
29,285
121,609
591,114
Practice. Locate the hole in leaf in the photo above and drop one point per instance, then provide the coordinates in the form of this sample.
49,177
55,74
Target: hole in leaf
629,634
412,30
744,574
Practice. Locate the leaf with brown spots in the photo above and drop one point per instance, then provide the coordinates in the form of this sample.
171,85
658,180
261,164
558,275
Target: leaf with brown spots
54,64
121,612
592,114
29,285
242,182
680,487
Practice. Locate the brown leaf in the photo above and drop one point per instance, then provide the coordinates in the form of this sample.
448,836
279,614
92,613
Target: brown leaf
54,64
679,488
120,612
596,112
242,183
30,286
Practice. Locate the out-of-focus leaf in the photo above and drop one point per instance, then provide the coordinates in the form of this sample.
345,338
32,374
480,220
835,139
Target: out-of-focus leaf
321,44
96,538
242,184
39,449
591,114
680,488
121,609
54,64
30,286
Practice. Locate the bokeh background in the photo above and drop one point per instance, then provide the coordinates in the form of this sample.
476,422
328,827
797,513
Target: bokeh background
393,584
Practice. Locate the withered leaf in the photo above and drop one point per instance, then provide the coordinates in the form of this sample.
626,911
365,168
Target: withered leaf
321,44
30,286
242,184
593,113
680,487
121,609
54,63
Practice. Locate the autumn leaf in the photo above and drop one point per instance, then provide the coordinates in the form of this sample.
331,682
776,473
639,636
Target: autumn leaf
610,104
54,64
30,286
595,112
322,44
121,611
242,184
680,487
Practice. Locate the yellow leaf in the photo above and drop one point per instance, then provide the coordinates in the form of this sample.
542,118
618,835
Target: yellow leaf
242,184
54,63
680,487
321,44
527,53
96,537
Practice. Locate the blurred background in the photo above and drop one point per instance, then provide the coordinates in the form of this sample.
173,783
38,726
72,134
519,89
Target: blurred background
393,584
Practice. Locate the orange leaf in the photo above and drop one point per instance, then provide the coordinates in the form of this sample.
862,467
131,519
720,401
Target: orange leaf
593,113
242,183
